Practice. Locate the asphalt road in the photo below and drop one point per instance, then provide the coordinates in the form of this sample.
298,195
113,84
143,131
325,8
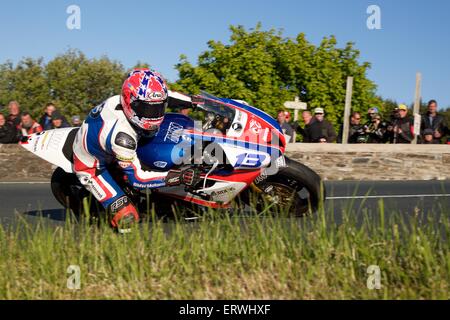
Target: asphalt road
32,200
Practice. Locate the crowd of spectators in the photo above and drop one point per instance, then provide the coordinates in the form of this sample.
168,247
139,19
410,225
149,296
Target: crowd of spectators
315,128
397,129
18,124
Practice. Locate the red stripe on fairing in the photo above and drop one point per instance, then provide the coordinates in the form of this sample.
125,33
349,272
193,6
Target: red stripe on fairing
230,139
135,171
238,176
279,134
244,176
210,204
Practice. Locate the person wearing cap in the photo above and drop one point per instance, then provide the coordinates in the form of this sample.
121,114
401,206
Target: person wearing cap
402,127
320,130
58,120
434,121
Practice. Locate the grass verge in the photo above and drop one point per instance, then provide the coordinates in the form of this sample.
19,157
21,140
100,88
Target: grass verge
226,257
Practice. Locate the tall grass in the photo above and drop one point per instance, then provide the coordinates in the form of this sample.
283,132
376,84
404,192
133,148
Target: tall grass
222,256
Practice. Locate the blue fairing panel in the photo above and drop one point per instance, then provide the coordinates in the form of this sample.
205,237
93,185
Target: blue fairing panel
157,152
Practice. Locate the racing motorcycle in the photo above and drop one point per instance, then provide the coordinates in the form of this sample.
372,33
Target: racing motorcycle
238,148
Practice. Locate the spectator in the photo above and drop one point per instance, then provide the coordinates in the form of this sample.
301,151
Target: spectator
46,118
372,112
286,127
46,121
14,113
428,137
307,119
401,129
8,133
76,121
434,121
376,129
320,130
356,132
58,120
29,125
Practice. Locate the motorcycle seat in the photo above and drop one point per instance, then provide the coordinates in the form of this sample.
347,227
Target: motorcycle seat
68,145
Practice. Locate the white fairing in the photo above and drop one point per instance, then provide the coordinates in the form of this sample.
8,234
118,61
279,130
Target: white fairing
48,145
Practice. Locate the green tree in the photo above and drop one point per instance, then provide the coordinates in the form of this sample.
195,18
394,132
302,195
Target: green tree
26,82
77,83
265,69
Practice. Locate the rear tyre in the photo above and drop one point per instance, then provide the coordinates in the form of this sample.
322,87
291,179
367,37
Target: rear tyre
69,192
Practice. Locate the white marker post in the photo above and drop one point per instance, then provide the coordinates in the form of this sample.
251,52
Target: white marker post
348,108
417,98
296,105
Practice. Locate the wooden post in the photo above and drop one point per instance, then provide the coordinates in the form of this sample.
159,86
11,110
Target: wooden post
347,110
417,99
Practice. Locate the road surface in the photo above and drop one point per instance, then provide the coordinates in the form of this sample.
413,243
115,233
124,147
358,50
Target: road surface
31,200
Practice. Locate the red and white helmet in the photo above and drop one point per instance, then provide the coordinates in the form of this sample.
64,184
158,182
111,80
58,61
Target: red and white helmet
144,99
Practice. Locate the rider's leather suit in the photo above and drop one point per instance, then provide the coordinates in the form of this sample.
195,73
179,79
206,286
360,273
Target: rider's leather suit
106,137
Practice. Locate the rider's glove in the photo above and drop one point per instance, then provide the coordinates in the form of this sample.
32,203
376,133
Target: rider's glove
188,176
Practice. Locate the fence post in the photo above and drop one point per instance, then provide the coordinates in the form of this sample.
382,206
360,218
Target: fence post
417,99
348,107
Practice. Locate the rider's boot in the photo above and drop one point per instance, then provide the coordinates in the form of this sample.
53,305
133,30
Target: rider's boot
124,214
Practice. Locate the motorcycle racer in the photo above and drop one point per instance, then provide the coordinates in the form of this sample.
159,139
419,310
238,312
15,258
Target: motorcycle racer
110,135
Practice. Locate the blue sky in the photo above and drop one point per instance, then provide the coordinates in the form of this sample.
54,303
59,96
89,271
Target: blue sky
415,35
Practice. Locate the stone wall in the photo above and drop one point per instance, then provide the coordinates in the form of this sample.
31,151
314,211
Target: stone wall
331,161
374,162
17,164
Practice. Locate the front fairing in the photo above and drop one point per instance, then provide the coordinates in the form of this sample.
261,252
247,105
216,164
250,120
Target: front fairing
248,137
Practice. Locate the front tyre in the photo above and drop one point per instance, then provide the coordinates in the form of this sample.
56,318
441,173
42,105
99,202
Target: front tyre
295,189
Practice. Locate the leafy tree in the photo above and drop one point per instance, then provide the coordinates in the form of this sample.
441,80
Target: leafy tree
77,84
265,69
26,83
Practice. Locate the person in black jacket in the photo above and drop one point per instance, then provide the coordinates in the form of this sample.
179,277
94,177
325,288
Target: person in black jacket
58,120
320,130
356,132
46,120
434,121
400,129
8,133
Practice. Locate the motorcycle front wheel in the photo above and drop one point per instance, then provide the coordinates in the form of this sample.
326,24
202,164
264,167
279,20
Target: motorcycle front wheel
295,189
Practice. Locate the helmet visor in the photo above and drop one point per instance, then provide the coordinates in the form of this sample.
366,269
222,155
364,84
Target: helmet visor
149,110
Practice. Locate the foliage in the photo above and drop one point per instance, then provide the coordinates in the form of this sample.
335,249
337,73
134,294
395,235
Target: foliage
266,69
71,81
